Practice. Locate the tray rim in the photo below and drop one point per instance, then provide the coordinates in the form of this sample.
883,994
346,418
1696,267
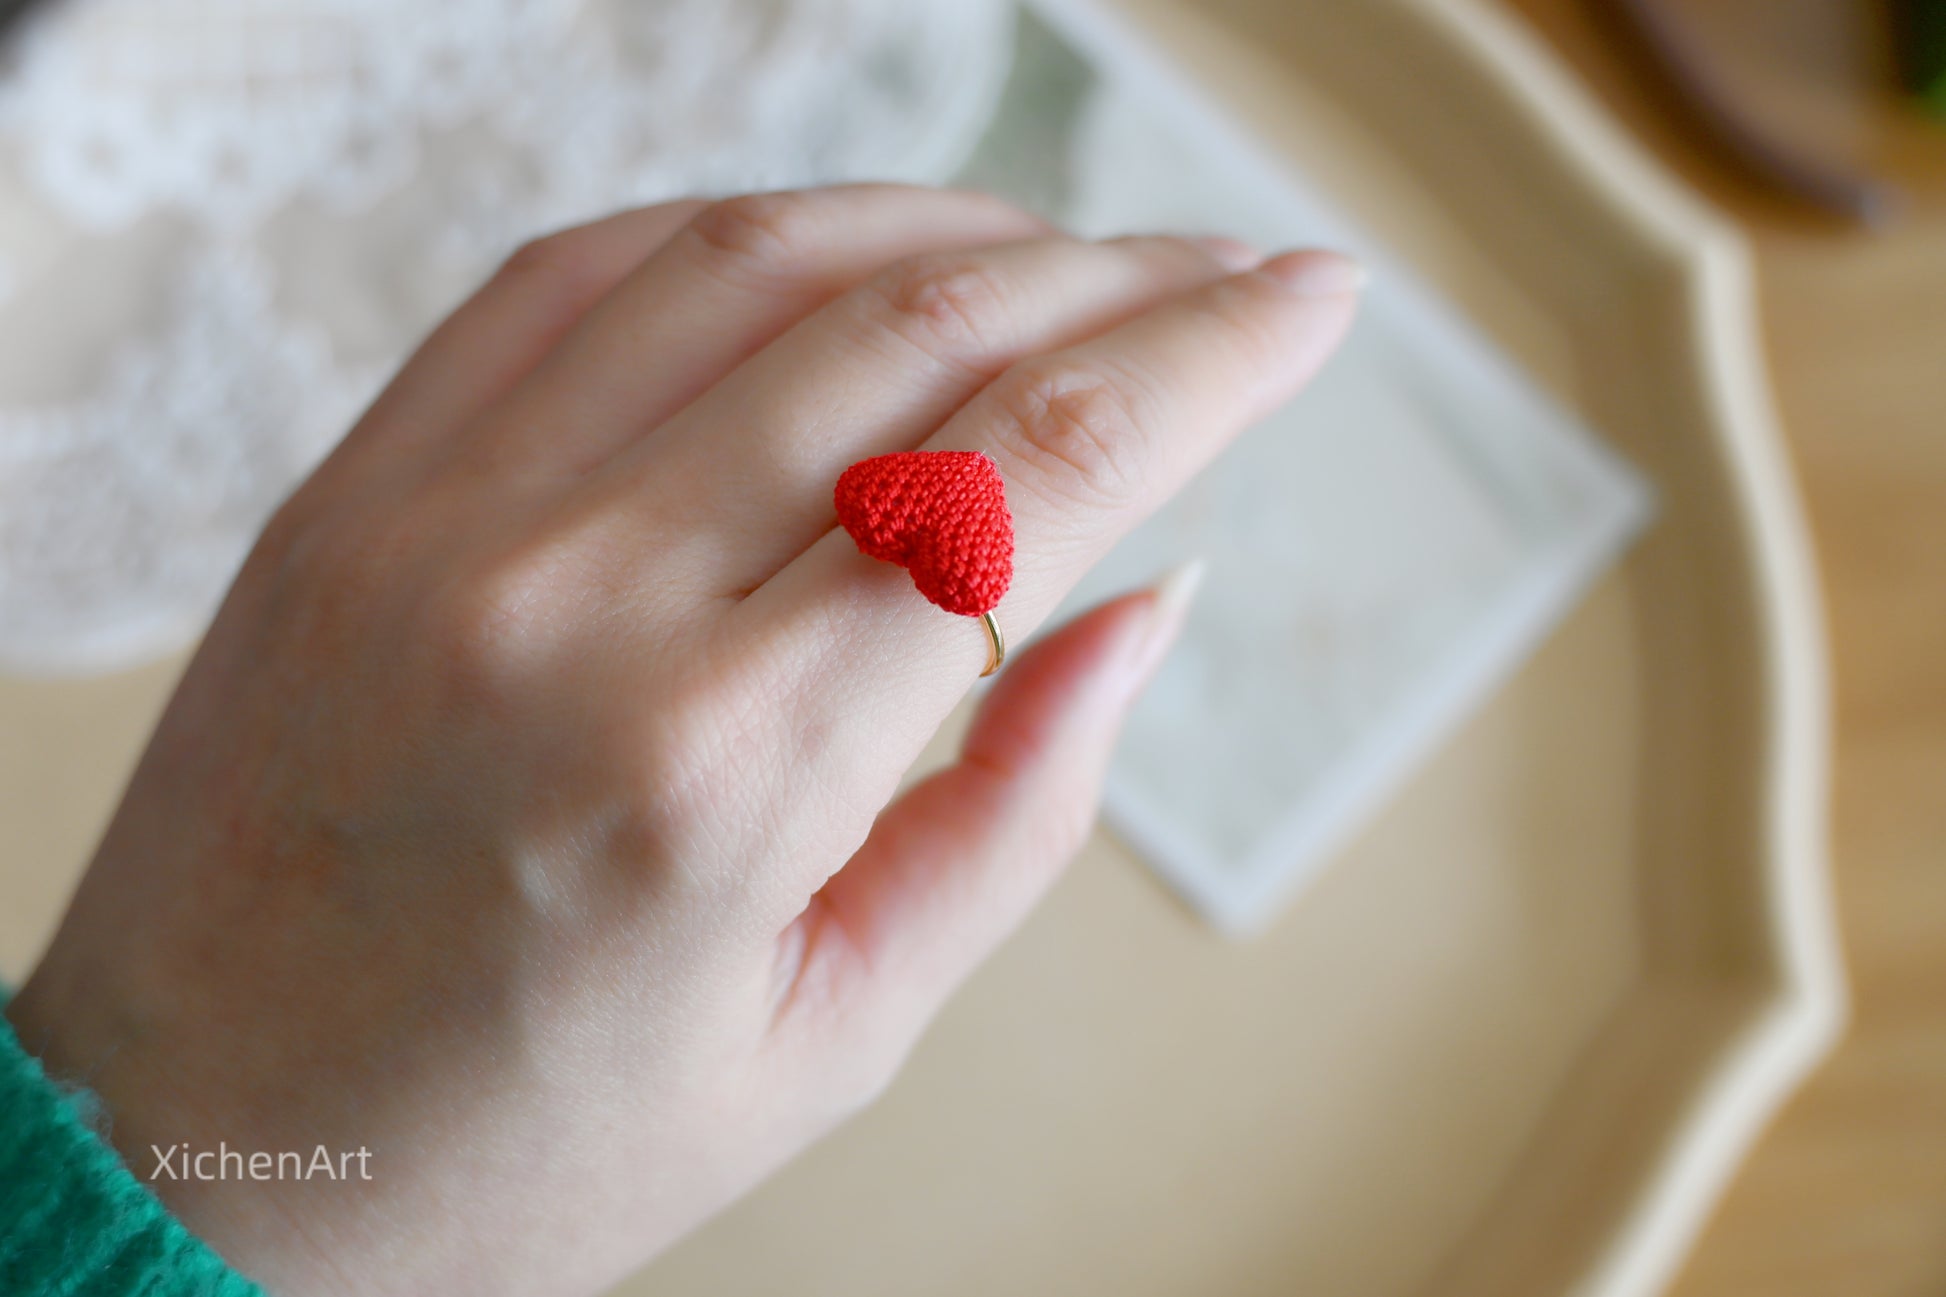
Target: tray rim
1801,1009
1805,1014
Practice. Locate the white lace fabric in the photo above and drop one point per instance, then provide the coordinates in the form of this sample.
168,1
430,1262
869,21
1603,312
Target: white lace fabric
224,222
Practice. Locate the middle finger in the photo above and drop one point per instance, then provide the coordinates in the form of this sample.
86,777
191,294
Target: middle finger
877,370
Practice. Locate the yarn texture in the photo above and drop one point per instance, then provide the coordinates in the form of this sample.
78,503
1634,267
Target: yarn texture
73,1219
940,514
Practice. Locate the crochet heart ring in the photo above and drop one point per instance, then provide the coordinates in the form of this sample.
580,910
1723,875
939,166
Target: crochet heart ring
941,515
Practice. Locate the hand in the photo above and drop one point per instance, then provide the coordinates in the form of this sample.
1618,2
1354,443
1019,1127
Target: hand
523,819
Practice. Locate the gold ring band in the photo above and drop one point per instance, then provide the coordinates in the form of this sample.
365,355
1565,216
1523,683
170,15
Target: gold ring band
996,645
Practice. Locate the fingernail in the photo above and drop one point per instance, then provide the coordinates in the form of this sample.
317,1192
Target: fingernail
1234,255
1316,274
1169,601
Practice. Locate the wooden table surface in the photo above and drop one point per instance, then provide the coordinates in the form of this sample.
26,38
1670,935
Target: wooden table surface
1847,1193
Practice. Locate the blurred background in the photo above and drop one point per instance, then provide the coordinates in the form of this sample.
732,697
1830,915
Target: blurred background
1509,1008
1847,1192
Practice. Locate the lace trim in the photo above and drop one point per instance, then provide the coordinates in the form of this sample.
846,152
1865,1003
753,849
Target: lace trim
290,192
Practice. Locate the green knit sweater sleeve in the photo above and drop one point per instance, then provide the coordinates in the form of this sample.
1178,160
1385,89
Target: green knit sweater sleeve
74,1222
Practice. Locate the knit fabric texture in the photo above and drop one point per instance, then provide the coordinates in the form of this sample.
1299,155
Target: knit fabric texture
940,514
74,1222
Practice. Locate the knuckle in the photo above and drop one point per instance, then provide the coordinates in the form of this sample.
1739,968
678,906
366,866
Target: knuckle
497,617
1079,433
1243,314
565,259
654,827
761,232
950,303
467,626
681,764
1176,258
698,807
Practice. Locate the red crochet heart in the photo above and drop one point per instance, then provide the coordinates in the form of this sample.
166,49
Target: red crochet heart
940,514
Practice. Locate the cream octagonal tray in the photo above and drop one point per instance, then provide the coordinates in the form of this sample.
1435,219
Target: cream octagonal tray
1517,1037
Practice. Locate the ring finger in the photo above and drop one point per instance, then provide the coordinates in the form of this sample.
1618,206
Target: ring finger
1089,440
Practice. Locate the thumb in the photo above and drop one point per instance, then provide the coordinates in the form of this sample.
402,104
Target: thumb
954,865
